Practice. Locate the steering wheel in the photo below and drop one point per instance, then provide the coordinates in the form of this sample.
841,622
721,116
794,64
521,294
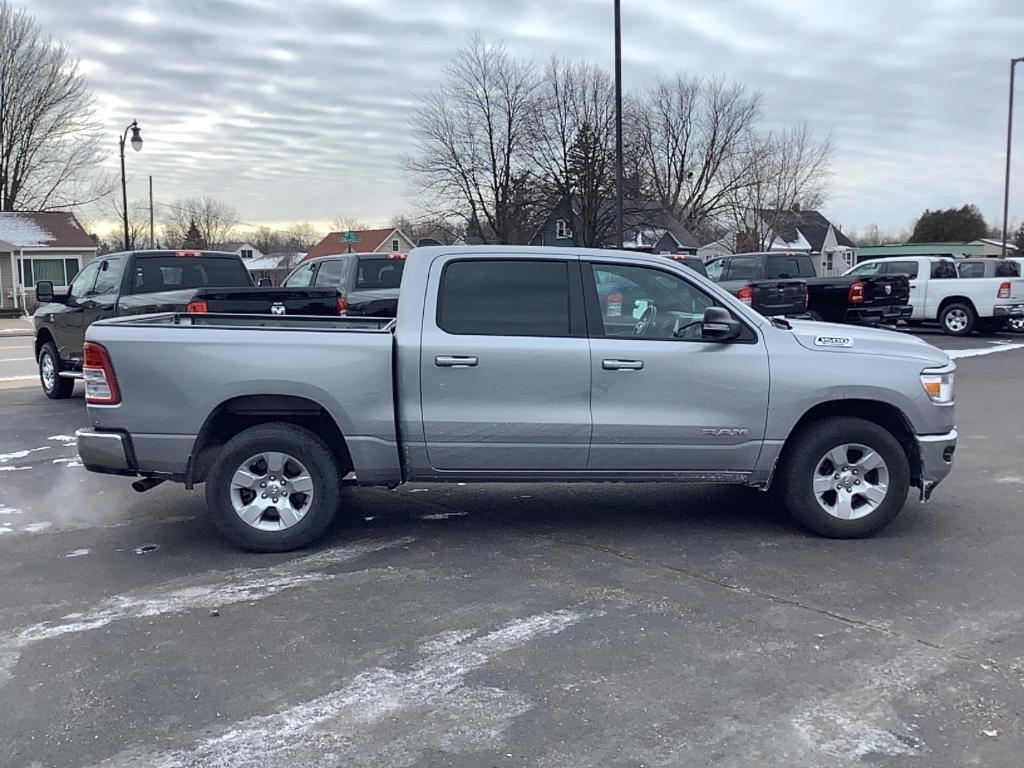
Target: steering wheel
646,321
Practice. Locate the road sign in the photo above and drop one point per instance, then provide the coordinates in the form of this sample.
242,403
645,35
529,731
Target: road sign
349,237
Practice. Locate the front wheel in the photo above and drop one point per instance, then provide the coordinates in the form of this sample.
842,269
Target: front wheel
957,319
273,488
55,386
845,478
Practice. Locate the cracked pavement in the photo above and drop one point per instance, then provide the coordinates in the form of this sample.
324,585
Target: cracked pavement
614,625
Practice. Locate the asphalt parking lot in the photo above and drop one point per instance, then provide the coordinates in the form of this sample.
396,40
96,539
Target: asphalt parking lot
612,625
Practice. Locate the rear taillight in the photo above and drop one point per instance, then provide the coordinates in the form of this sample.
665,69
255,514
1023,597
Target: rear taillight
342,306
856,293
1004,291
197,307
746,295
100,382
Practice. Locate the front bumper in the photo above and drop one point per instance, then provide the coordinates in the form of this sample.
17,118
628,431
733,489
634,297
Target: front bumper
1009,310
936,452
105,452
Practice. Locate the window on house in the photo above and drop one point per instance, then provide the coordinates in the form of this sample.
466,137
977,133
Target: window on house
246,253
395,245
829,261
562,231
58,271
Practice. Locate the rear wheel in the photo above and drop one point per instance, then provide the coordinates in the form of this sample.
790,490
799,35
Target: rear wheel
55,386
274,487
845,478
1016,324
957,319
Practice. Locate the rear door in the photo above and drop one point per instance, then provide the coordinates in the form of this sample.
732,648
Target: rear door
662,398
505,366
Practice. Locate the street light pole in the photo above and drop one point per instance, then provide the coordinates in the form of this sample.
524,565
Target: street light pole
620,234
137,146
1009,140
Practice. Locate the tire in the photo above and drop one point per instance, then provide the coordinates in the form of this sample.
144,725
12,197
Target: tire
807,470
280,523
957,319
59,387
1015,324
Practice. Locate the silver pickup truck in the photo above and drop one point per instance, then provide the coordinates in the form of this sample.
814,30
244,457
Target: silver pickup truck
516,364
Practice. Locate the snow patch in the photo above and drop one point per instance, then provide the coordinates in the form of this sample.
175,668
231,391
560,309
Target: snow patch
956,354
5,457
443,515
427,708
39,527
78,553
1013,480
9,511
13,469
63,438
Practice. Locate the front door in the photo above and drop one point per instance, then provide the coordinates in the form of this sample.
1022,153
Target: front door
101,302
68,317
505,366
663,399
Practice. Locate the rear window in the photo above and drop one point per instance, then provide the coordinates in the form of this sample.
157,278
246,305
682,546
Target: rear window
379,273
172,273
505,298
1007,269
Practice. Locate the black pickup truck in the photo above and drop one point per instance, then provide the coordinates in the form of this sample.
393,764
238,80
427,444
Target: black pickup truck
838,299
144,282
744,278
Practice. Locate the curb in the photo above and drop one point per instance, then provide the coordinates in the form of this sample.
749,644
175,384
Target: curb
16,334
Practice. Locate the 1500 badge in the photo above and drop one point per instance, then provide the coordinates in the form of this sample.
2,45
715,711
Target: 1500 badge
833,341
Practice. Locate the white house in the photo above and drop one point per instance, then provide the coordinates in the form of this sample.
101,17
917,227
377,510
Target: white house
38,245
244,250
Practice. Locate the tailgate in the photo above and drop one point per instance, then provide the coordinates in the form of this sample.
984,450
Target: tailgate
886,290
779,297
267,301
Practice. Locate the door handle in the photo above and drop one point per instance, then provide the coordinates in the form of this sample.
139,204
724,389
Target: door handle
455,361
622,365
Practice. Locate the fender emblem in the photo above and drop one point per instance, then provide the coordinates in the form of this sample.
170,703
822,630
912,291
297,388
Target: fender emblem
724,432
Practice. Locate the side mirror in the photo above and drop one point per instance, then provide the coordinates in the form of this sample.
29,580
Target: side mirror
265,282
719,325
44,291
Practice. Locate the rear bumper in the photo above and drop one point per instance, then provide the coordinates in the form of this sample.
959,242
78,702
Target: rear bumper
106,452
1009,310
936,452
878,314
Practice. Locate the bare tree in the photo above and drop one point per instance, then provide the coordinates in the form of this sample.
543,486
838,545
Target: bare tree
572,134
469,142
215,220
348,224
427,226
690,137
783,169
49,139
138,224
294,238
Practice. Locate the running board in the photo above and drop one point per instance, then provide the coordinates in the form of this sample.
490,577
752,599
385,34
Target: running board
70,375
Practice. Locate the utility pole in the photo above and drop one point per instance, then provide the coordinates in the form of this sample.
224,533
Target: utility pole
152,239
619,229
1009,140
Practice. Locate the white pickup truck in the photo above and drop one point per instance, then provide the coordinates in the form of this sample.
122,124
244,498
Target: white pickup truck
960,306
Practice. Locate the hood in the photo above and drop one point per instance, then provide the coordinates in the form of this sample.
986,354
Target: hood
834,338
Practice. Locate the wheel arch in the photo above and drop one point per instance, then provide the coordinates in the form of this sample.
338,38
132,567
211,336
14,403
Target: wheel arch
237,414
957,300
885,415
42,337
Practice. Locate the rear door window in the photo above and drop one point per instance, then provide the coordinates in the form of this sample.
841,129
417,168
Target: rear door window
379,273
942,270
788,266
908,268
504,298
742,268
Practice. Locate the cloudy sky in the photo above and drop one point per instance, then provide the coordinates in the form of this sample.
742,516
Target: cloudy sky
297,109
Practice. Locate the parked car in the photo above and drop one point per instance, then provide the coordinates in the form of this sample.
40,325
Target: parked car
938,294
743,276
874,299
692,262
367,282
1016,323
142,282
505,365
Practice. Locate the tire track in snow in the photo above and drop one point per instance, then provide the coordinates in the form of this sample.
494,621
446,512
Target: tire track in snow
206,590
383,716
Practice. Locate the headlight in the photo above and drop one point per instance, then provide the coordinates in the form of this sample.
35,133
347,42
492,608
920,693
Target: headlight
938,386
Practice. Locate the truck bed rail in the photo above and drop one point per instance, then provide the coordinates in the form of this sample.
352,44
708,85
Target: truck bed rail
267,322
